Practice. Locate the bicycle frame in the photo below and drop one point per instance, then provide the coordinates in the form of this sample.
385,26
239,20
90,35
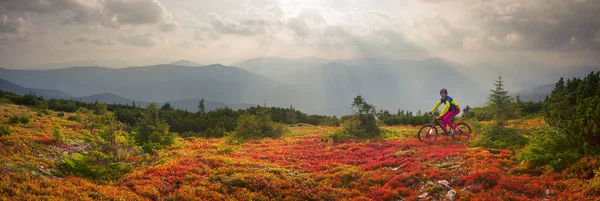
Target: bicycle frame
436,122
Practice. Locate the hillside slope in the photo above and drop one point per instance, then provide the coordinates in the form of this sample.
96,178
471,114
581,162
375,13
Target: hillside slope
296,167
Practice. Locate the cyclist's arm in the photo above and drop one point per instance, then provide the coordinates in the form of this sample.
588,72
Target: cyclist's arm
446,108
436,105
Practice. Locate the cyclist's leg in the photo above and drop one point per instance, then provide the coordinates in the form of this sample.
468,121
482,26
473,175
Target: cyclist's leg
454,113
446,120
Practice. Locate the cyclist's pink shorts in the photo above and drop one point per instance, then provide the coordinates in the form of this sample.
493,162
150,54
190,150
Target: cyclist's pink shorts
448,116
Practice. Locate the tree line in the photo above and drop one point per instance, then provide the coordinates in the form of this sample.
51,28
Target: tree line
572,122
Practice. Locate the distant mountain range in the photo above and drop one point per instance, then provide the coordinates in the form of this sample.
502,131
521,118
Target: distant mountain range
157,83
538,93
19,90
313,85
108,98
387,83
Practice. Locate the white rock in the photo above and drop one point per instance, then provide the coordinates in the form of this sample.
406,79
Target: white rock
445,184
451,195
423,195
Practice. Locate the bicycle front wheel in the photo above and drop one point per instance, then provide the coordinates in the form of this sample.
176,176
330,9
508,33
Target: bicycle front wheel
463,132
427,133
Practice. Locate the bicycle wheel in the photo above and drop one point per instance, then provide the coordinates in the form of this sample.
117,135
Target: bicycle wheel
463,131
428,133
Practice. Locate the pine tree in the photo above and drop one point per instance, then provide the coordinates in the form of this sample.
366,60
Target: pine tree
290,116
367,123
518,106
201,108
467,112
500,101
167,106
153,132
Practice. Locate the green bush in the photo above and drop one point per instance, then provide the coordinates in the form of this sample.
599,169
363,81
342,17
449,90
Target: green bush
24,119
190,134
5,131
84,165
355,128
60,114
279,129
259,126
73,118
14,120
336,136
5,101
151,147
248,127
498,137
550,148
362,124
482,114
19,119
109,155
58,135
217,132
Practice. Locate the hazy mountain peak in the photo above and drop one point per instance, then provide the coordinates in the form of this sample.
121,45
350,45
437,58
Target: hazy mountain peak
186,63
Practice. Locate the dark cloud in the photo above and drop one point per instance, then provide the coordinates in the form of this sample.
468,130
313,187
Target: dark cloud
336,31
300,24
140,40
539,25
136,11
226,26
96,41
12,29
106,12
168,27
201,35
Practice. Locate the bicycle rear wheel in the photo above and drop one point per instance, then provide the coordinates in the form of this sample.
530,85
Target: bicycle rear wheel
463,132
428,133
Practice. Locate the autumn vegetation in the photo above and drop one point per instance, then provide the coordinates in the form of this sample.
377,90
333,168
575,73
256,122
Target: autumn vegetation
63,149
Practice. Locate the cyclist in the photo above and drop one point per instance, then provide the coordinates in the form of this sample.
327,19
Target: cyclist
451,109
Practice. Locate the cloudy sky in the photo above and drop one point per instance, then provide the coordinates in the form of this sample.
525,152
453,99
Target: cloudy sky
141,32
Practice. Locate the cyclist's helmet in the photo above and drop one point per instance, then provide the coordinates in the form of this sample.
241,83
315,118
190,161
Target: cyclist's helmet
443,90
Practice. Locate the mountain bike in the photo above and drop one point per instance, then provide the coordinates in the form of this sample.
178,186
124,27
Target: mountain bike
429,132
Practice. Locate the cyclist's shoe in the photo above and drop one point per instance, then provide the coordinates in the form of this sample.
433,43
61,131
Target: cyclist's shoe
452,132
